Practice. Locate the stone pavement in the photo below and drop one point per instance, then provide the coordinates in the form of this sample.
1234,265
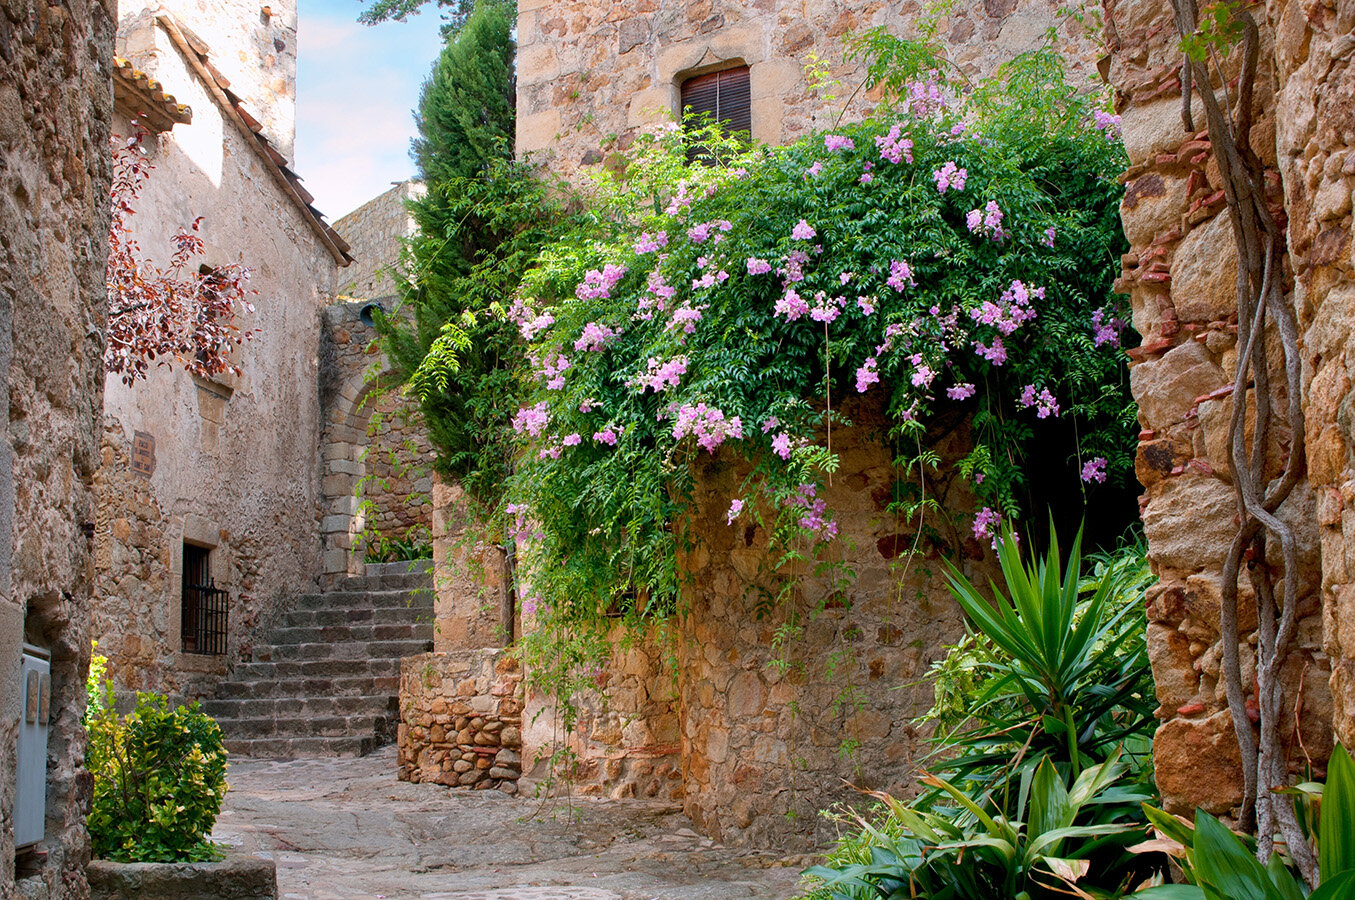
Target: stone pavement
346,829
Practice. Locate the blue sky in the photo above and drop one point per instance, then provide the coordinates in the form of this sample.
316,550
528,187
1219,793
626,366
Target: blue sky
356,86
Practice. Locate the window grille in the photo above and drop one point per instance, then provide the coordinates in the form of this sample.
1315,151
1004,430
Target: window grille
205,607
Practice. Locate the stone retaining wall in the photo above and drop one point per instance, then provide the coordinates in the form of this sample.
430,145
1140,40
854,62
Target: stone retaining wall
461,719
1180,276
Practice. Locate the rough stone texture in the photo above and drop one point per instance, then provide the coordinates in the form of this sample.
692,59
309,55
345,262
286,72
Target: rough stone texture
772,736
55,114
1179,274
348,830
461,719
627,737
235,456
237,877
468,577
254,50
592,75
375,232
375,455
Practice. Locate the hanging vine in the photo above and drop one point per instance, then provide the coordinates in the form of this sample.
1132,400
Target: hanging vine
1263,317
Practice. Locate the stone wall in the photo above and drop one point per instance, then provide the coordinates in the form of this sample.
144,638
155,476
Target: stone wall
461,719
1180,276
55,113
786,701
226,463
591,75
377,475
626,741
376,231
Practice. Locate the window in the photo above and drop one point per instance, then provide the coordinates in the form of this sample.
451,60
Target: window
203,609
725,97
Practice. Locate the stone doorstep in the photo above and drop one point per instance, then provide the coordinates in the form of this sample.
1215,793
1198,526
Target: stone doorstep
237,877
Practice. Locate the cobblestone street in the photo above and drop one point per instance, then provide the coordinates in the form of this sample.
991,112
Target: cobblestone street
346,829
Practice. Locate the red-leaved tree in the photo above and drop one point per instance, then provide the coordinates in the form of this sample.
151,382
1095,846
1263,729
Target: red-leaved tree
182,313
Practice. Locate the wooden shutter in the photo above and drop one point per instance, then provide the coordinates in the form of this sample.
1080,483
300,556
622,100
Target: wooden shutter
725,96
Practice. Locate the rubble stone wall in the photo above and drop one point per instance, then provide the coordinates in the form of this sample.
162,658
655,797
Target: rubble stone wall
1180,275
56,108
786,700
626,740
592,75
461,719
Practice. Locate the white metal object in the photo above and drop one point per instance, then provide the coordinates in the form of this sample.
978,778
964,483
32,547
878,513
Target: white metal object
30,799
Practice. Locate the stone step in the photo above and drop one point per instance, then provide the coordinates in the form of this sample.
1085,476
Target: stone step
291,748
368,599
366,632
386,615
284,708
406,581
316,668
353,650
272,688
303,726
408,567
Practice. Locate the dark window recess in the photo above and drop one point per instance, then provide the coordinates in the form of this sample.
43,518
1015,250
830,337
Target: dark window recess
202,621
725,97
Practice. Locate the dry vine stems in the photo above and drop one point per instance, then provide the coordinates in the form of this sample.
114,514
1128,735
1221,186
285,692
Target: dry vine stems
1263,315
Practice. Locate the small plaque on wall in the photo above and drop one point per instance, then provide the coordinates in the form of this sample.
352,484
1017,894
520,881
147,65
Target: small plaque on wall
143,454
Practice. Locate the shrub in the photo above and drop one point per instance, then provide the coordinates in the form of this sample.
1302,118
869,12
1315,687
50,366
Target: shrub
159,779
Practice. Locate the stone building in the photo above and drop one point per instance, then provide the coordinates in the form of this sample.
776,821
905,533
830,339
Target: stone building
1180,275
55,116
209,488
752,749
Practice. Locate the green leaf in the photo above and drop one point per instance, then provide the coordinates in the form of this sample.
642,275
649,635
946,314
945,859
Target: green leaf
1336,828
1223,863
1338,888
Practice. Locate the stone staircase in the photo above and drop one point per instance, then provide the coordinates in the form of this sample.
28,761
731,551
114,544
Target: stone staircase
325,681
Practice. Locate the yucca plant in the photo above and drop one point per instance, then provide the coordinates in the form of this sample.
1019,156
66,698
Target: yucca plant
1058,837
1221,865
1070,681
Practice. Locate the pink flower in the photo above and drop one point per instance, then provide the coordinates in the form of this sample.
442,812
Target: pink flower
699,233
551,452
1049,234
771,423
734,509
1105,330
814,170
792,306
995,354
605,436
661,374
707,424
866,178
532,419
867,375
802,231
781,445
960,391
572,440
597,284
986,524
948,176
1044,402
533,327
685,319
867,305
893,147
900,275
649,244
594,337
1095,470
838,142
758,266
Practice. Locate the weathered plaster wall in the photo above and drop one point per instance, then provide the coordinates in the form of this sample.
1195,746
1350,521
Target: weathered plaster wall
590,73
235,459
375,231
253,45
376,457
55,110
1180,276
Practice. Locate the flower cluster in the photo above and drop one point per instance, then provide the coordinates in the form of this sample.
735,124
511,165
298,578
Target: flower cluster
986,221
814,517
598,283
707,424
662,374
594,337
949,176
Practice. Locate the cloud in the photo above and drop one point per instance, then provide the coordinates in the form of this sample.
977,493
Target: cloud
356,86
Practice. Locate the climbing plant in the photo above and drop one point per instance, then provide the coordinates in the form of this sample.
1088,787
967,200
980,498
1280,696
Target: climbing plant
1209,36
954,253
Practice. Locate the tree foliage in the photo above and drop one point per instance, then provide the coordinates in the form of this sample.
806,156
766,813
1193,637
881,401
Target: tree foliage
161,315
454,12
